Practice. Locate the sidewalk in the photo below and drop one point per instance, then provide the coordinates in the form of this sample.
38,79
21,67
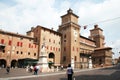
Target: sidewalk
20,73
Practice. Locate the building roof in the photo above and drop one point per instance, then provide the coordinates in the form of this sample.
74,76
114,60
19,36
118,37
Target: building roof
103,48
15,34
51,30
96,28
70,11
87,38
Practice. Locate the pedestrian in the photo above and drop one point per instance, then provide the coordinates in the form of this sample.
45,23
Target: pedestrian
27,68
69,72
36,69
8,69
31,68
3,66
62,67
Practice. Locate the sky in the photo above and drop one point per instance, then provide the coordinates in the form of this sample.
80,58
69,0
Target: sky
20,15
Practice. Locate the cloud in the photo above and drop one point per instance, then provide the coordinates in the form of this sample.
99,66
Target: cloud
91,13
21,15
116,48
26,14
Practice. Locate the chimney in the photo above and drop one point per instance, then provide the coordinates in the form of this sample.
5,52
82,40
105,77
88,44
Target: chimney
32,28
52,28
95,26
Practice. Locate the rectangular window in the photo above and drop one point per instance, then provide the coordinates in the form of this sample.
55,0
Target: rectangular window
54,41
59,49
29,45
65,36
75,58
51,48
73,48
49,40
17,43
56,49
35,45
21,44
10,43
77,49
47,47
59,42
64,48
64,40
2,41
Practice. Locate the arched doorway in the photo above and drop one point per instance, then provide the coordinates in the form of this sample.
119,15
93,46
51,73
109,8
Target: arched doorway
51,59
13,63
20,63
2,63
100,61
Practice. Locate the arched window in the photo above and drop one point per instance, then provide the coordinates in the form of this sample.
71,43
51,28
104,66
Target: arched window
51,55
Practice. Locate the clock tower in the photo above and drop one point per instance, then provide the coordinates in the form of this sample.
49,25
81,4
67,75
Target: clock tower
70,30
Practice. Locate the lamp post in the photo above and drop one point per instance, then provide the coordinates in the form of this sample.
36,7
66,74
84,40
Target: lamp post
119,57
8,58
113,54
10,50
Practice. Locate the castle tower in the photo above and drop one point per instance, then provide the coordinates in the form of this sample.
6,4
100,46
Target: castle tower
102,55
96,34
70,30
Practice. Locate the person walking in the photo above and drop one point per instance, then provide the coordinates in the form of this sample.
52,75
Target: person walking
35,70
8,69
69,72
31,68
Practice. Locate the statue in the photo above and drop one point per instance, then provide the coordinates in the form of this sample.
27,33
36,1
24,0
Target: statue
42,50
43,63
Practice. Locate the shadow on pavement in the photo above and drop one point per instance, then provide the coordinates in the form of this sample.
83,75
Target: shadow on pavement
114,76
112,73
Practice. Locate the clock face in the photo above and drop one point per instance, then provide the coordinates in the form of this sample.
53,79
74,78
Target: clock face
75,33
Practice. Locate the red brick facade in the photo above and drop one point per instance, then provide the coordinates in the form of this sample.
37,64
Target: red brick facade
62,46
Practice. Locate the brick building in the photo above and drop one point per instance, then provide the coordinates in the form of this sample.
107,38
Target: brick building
102,55
16,48
63,46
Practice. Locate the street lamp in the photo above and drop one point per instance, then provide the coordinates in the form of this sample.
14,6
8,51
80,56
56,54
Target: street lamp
119,58
8,58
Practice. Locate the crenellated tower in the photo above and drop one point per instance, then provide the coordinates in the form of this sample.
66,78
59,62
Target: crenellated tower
70,30
96,34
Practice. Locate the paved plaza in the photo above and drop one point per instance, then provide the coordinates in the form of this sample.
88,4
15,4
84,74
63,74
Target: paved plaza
109,73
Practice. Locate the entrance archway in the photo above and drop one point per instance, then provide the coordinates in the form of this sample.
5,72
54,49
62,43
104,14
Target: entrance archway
51,59
2,63
20,63
13,63
100,61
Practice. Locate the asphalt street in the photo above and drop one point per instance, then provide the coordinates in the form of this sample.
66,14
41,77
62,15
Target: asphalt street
109,73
